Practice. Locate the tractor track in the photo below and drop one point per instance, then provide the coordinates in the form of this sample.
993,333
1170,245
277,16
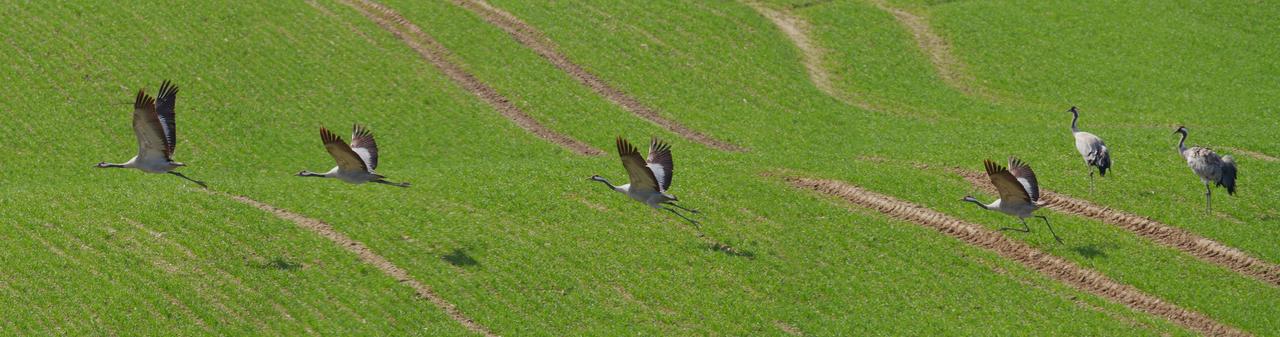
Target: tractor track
950,69
440,57
1254,154
1049,265
797,30
540,44
367,256
1203,248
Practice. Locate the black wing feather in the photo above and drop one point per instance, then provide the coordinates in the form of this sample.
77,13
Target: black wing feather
165,103
660,154
362,140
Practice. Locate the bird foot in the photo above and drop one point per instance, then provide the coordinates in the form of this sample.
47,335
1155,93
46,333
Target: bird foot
1015,229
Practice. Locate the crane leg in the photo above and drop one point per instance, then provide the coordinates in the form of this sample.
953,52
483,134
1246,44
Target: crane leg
1089,168
1046,224
694,211
695,223
1208,193
201,183
1025,228
1091,181
380,181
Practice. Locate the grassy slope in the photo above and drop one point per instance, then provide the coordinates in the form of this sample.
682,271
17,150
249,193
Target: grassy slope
502,223
76,264
533,252
895,73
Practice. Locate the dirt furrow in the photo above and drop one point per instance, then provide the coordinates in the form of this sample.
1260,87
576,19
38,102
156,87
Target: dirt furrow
1049,265
440,57
350,27
797,30
1254,154
950,69
1205,249
368,256
535,40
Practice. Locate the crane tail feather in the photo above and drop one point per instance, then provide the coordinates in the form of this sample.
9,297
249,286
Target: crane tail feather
1104,164
1228,179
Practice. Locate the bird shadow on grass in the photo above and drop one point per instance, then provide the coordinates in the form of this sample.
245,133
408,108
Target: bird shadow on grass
1091,250
729,250
277,263
459,258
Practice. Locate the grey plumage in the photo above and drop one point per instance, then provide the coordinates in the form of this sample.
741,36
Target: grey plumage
155,127
649,178
1091,147
357,162
1019,193
1212,168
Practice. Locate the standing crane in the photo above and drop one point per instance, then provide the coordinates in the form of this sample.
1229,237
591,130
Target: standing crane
1019,193
356,163
1091,148
1209,166
649,178
155,127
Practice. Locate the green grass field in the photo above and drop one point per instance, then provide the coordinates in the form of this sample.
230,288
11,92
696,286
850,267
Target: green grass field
505,226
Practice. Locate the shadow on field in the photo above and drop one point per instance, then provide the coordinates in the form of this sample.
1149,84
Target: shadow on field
459,258
277,263
1091,250
729,250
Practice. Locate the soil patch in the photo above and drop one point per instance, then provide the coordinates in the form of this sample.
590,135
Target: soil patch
1049,265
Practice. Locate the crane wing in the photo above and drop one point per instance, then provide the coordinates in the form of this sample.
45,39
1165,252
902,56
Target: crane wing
659,162
1026,178
347,159
147,128
1006,184
1089,146
165,102
364,146
638,171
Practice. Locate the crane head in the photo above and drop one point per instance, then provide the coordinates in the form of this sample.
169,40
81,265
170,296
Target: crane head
1073,110
969,198
1181,129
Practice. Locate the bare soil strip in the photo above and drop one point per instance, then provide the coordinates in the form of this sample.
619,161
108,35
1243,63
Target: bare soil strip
1254,154
949,68
367,255
788,328
1205,249
350,26
435,53
1049,265
535,40
797,30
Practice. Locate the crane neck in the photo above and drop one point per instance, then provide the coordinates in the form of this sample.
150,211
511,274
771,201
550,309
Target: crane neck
976,202
1075,117
606,183
1182,144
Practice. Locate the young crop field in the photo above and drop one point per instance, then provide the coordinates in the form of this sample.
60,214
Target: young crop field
825,144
